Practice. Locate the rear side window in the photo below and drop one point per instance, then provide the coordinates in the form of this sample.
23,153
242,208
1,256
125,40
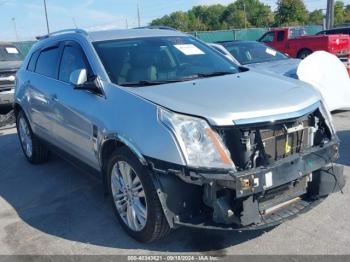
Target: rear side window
32,61
47,62
72,59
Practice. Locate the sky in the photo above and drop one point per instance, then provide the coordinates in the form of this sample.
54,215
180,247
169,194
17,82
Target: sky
28,15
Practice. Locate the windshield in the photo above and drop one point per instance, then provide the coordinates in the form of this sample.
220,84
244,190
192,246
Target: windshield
10,53
253,52
159,60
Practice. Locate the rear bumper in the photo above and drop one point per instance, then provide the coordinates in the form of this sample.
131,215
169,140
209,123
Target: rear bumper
7,97
252,199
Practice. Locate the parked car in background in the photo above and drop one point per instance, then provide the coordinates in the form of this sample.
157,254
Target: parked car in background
298,45
257,55
335,31
180,135
329,79
10,61
340,30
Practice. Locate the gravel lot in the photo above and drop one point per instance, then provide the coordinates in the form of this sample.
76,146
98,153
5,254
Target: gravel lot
58,209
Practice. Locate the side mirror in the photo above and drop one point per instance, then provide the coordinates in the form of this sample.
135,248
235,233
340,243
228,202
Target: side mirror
81,81
78,77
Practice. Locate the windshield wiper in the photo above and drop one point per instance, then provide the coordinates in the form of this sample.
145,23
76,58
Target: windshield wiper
162,82
220,73
153,82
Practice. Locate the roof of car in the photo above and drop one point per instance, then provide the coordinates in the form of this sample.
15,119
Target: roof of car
131,33
105,35
234,42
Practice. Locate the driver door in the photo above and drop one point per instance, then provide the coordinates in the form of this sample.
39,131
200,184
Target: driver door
73,128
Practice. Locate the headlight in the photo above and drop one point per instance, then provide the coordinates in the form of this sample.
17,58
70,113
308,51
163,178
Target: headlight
200,145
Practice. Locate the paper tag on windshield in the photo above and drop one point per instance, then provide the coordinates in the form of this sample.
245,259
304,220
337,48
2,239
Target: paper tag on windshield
189,49
271,52
11,50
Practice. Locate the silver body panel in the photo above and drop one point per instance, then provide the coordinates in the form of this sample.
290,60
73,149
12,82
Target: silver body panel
226,99
80,122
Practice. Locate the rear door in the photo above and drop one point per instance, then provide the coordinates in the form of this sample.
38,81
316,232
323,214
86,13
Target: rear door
73,127
43,70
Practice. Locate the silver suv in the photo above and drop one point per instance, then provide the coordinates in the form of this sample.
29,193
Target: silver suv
180,135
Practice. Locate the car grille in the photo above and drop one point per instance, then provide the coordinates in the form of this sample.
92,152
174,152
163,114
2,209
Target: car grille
281,141
252,146
6,84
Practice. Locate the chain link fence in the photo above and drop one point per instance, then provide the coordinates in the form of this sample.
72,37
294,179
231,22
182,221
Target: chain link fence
251,34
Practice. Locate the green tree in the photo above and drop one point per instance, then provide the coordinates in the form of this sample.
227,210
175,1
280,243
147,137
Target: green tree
206,17
247,13
291,12
316,17
339,13
178,20
347,14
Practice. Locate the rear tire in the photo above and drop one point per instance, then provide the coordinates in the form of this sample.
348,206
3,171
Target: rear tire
32,147
150,224
304,53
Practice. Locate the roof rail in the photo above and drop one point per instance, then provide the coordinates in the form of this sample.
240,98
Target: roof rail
161,27
74,30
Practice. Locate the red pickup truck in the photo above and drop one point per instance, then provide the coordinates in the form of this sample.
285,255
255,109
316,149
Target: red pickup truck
295,42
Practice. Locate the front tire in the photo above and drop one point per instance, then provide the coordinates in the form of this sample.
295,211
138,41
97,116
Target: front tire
135,198
32,147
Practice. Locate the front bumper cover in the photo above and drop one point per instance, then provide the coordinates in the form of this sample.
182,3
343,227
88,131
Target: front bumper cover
7,97
204,201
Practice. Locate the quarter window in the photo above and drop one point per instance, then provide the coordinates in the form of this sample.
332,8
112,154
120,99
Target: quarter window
47,62
72,59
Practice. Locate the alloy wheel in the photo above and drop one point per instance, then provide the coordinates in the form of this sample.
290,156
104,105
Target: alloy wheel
129,196
25,137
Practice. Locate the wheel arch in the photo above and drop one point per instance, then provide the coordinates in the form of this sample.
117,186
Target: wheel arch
17,108
111,142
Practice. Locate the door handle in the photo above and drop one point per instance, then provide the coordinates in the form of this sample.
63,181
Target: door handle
54,97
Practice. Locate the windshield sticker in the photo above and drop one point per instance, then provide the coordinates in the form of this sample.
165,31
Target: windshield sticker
271,52
189,49
11,50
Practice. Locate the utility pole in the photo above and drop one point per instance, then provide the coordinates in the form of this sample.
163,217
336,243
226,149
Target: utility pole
126,23
47,20
245,16
138,16
15,27
330,14
74,23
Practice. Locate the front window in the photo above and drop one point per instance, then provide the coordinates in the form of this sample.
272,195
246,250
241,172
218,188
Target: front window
10,53
253,52
158,60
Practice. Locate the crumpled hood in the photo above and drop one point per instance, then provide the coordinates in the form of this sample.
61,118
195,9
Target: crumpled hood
10,65
225,99
287,67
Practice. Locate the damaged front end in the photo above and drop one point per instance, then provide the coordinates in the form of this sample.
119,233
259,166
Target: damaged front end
281,168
